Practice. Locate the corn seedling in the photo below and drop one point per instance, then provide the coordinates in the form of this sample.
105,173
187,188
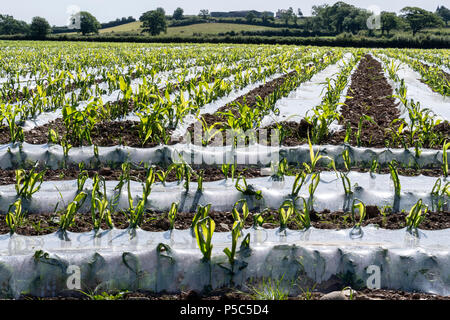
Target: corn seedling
68,216
172,214
298,183
303,217
225,168
200,177
279,170
202,213
445,158
136,214
231,253
209,132
416,215
163,175
395,178
28,183
100,206
361,207
347,160
438,194
346,183
204,230
15,218
81,179
248,189
147,185
236,214
373,167
348,132
313,186
15,131
314,158
258,220
286,211
124,176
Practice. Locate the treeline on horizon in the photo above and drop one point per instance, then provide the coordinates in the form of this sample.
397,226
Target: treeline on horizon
340,19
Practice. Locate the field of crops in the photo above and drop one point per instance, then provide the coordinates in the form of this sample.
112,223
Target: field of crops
278,170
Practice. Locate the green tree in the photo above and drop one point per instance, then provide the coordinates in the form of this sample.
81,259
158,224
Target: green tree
444,13
10,26
161,10
154,22
419,19
178,14
89,24
40,27
338,18
251,16
204,13
389,21
266,17
287,15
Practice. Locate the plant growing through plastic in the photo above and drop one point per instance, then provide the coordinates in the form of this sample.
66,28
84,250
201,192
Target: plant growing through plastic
68,216
395,178
361,207
298,183
286,211
303,217
248,189
172,214
28,183
416,216
15,218
202,213
204,230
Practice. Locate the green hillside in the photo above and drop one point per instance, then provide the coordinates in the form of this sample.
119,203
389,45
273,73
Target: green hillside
201,28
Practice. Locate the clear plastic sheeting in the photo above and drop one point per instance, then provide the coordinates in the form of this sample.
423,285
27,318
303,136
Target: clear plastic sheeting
308,95
52,156
171,262
212,107
422,93
376,189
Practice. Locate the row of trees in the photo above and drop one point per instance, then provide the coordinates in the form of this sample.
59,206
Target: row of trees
342,17
338,18
333,19
40,28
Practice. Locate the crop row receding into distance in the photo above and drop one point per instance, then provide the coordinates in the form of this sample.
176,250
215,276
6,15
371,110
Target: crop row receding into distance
125,154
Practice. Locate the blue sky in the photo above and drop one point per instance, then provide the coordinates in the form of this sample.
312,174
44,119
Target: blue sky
55,11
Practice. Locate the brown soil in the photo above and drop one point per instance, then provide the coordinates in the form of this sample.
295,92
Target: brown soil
106,134
369,94
262,91
227,294
209,174
40,224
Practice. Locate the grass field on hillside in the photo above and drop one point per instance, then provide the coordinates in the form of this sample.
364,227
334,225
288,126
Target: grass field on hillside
203,28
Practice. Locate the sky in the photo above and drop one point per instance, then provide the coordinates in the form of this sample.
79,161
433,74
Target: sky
56,11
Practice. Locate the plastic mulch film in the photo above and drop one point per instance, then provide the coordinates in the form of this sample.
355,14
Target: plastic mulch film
375,189
23,155
171,262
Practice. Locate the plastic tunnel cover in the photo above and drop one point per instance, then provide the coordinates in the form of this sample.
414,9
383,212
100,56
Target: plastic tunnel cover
23,155
376,189
121,260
